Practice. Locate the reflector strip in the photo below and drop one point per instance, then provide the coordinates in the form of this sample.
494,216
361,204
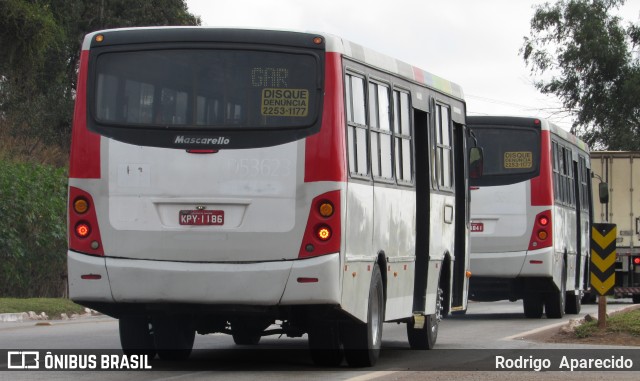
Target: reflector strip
307,280
91,276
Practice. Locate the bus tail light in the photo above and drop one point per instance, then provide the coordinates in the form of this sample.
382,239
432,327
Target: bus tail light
542,229
84,234
83,229
322,233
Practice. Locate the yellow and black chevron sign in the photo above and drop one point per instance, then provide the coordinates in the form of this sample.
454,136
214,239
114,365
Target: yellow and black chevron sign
603,258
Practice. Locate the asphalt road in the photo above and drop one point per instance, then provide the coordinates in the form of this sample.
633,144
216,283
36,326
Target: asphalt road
466,342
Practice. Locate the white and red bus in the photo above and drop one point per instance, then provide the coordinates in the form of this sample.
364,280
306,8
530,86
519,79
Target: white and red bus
530,214
222,180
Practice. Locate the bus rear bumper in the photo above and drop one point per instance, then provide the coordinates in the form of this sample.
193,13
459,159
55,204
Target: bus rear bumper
497,265
540,264
119,280
527,264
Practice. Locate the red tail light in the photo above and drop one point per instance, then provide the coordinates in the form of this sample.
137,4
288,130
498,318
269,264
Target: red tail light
83,229
541,236
84,234
322,234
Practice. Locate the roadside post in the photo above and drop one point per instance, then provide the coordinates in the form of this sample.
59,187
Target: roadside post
603,259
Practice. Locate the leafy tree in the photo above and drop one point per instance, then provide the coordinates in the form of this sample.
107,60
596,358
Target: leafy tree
40,43
583,54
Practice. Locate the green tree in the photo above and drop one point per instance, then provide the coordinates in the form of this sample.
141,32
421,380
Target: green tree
582,53
40,42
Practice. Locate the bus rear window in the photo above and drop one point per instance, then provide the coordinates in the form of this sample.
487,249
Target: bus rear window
511,154
206,88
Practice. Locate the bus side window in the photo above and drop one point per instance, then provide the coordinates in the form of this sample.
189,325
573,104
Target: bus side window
443,150
402,133
356,125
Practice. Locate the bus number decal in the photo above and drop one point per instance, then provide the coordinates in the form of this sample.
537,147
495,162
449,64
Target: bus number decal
518,160
285,102
259,168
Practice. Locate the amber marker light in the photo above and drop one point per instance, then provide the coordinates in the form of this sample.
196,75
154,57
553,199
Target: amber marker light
326,209
100,38
80,205
542,235
317,40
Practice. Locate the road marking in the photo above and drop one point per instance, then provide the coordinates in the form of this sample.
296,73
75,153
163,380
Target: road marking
523,335
372,375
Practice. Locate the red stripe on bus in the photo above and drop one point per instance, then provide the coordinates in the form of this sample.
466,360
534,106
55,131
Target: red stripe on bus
325,153
84,162
542,186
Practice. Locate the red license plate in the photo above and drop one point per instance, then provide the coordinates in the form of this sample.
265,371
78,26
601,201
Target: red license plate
202,217
477,227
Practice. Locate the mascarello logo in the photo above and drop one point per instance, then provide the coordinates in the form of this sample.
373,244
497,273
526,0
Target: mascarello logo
220,140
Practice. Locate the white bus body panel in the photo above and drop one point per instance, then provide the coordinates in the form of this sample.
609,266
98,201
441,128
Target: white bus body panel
379,220
255,188
252,259
501,248
394,236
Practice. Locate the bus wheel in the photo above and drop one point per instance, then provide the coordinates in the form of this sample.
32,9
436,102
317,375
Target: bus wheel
324,344
246,331
555,301
574,303
425,337
136,337
173,336
532,303
589,298
362,341
635,298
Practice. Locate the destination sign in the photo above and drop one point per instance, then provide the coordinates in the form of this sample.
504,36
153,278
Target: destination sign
518,160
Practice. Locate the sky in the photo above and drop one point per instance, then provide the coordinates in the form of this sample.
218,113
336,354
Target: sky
474,43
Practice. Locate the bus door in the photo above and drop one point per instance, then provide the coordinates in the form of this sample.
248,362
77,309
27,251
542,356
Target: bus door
423,189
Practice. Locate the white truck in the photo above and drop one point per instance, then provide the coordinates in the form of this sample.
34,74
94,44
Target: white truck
621,171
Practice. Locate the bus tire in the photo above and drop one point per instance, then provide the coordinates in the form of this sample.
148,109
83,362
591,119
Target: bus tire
136,337
589,298
324,345
246,331
555,301
635,298
362,341
573,303
532,303
425,338
174,336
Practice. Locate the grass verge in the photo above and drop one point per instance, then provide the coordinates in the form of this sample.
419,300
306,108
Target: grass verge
53,307
624,322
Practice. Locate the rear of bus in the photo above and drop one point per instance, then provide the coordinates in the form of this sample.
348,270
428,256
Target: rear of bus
206,176
510,208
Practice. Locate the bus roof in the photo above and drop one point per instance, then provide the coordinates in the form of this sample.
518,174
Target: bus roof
333,44
545,125
392,65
